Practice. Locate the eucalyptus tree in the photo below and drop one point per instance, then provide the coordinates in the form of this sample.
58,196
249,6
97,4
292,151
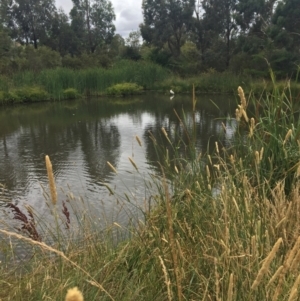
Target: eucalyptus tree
202,33
5,49
92,22
31,20
61,37
286,25
167,22
220,17
5,13
285,34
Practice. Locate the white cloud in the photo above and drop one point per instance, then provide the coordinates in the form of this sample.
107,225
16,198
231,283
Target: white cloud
128,14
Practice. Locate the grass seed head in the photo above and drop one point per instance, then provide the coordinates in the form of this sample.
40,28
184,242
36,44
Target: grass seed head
242,97
265,267
138,140
287,136
133,164
111,167
52,185
74,294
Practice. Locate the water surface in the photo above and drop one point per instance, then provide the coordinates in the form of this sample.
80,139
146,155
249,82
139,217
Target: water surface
81,136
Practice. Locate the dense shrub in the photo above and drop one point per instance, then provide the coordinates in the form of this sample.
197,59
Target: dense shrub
31,94
70,93
124,89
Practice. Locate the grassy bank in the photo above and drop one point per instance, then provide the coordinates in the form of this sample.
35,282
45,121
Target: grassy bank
225,226
53,84
62,83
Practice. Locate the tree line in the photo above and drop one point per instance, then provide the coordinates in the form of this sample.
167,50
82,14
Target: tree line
187,36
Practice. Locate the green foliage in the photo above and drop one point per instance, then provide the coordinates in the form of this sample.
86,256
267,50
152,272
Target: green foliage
275,133
61,37
158,56
286,25
70,93
189,62
9,97
5,51
31,94
209,82
92,23
187,36
30,59
89,82
23,95
167,22
32,18
124,89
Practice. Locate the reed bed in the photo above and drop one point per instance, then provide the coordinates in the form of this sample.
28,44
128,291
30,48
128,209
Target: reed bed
54,84
222,228
86,82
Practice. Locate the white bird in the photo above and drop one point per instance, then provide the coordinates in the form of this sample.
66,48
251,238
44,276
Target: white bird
172,92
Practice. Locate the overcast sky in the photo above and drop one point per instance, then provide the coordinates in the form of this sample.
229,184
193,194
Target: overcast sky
128,14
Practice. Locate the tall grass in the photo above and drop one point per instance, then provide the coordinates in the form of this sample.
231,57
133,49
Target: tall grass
92,81
52,83
225,226
271,150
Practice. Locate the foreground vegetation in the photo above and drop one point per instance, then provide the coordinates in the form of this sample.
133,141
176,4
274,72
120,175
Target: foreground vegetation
225,226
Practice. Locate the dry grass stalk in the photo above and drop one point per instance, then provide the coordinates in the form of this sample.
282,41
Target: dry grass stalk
252,126
217,147
295,262
172,240
61,254
207,172
108,188
238,114
261,154
287,136
286,266
133,164
138,140
292,254
74,294
217,280
294,289
194,99
274,277
224,127
244,114
167,279
257,158
166,135
265,267
242,97
52,185
112,167
230,288
253,246
241,110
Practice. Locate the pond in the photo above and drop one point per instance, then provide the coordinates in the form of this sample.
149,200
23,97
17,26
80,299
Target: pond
81,136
